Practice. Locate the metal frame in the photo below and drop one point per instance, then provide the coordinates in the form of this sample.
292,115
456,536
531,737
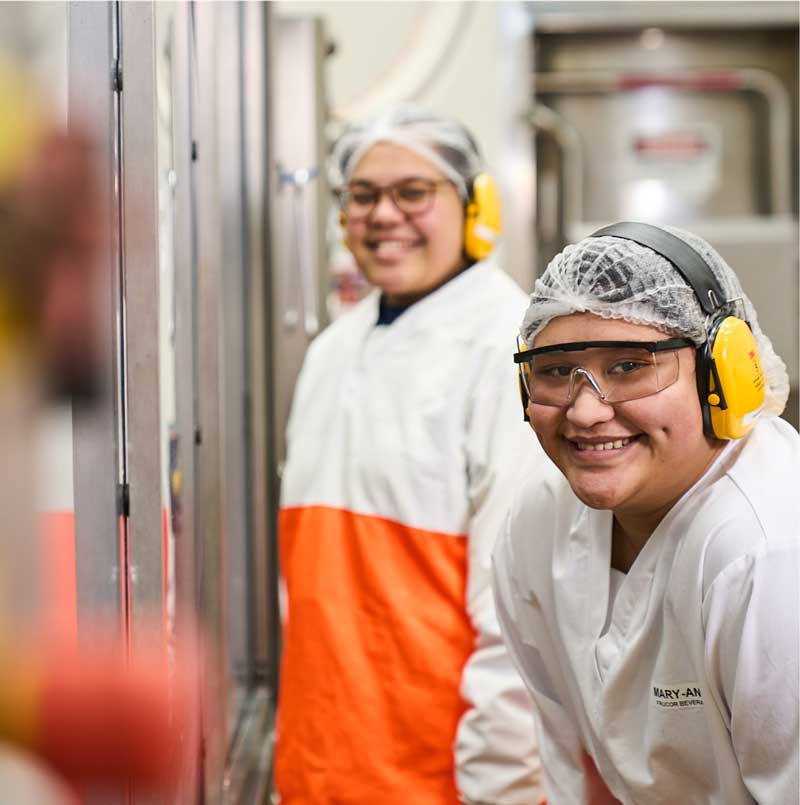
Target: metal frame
140,246
208,510
185,361
257,150
234,358
95,435
300,200
100,569
250,760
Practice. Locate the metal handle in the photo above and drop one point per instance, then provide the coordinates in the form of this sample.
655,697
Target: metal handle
543,118
299,179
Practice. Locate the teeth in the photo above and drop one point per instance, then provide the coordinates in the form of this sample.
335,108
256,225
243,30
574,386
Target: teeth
391,245
615,445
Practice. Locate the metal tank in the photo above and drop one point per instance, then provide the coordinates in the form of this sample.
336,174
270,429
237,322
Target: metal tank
675,113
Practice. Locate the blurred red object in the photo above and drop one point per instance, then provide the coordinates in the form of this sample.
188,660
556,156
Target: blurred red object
98,716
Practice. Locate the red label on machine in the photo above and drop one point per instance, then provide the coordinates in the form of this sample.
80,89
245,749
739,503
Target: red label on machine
670,144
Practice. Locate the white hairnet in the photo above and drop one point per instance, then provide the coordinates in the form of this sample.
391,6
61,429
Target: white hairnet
618,279
439,139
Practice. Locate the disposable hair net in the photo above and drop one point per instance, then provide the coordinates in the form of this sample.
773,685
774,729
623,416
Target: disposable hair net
618,279
441,140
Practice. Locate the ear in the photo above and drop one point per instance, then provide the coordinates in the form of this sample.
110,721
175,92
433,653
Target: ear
529,418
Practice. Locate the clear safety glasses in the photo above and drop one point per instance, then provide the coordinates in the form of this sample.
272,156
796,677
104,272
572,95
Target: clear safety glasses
412,196
617,371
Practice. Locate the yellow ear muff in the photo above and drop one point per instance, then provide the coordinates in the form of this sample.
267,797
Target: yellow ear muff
343,225
523,390
23,124
483,224
730,380
736,383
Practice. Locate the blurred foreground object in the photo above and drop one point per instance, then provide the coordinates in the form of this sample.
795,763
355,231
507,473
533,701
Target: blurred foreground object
50,234
99,716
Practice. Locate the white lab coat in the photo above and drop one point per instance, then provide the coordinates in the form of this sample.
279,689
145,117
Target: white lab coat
416,424
690,695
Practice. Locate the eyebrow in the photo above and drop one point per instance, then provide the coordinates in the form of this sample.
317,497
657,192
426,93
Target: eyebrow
397,181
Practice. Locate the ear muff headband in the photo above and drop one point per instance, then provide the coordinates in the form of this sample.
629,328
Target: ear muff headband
686,261
482,219
730,379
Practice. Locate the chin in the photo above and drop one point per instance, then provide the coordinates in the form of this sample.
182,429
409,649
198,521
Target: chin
604,496
599,502
389,279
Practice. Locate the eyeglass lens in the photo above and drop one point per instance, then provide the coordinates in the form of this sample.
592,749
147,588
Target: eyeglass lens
621,374
411,196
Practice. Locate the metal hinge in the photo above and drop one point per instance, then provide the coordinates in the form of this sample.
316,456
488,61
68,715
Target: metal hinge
116,76
124,499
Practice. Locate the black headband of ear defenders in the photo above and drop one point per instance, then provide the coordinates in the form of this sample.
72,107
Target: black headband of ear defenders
687,262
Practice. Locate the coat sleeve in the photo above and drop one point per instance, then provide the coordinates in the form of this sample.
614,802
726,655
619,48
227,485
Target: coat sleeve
752,621
496,755
560,748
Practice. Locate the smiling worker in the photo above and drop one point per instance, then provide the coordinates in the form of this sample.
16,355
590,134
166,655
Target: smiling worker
650,596
402,446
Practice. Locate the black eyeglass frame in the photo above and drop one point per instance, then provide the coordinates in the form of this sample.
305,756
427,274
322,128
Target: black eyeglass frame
577,346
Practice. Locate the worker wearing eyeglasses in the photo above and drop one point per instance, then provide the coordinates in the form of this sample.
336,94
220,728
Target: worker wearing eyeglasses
649,594
402,451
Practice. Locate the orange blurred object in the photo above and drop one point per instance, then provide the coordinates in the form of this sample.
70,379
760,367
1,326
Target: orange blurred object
95,716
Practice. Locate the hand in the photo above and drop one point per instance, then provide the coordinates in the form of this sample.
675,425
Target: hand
595,790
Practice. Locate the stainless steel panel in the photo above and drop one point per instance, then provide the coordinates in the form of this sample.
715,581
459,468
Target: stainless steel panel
300,200
142,300
234,357
660,143
98,447
97,460
257,150
183,479
247,778
652,49
250,757
148,238
208,510
717,182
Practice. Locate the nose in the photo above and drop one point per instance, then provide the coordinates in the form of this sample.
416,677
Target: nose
587,408
385,210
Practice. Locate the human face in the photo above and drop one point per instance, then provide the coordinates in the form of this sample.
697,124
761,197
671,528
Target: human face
59,204
663,451
406,256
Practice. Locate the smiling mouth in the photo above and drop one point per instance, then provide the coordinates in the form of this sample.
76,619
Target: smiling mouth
387,248
615,444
